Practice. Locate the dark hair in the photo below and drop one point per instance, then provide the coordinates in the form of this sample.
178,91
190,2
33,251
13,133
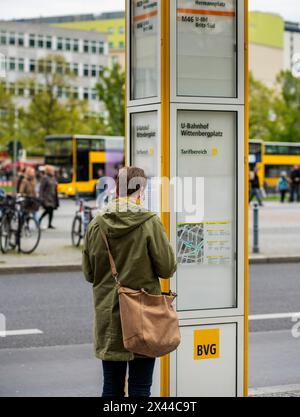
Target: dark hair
130,180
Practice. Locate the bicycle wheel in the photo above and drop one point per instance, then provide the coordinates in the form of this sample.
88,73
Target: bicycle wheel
76,231
5,233
30,235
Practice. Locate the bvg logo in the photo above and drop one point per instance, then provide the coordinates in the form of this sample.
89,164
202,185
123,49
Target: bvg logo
207,344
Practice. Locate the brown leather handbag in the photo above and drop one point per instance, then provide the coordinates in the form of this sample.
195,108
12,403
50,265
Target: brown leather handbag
149,323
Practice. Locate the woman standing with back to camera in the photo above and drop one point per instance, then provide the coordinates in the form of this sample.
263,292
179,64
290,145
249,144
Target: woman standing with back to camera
143,254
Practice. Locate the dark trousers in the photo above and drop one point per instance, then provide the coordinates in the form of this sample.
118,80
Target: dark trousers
282,195
255,192
139,381
295,193
48,212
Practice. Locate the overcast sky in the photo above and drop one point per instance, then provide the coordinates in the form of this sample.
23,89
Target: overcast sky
9,9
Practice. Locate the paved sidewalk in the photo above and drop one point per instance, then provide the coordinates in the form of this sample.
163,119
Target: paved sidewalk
55,248
279,229
279,239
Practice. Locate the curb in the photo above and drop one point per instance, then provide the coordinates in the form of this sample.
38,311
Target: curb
280,390
282,259
31,269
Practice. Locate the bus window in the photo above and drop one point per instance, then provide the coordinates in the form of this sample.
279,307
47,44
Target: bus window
98,145
83,149
59,153
255,153
274,171
98,171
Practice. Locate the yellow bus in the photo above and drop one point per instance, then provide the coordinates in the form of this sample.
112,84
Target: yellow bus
81,160
271,158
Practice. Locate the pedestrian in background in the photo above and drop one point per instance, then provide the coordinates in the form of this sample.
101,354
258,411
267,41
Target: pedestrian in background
283,186
255,186
143,254
27,188
48,195
20,177
295,184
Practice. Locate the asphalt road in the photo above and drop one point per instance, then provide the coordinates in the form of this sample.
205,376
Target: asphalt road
60,360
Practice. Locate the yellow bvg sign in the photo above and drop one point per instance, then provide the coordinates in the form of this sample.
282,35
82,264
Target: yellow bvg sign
207,344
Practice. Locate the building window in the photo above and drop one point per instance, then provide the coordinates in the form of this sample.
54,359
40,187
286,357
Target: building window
121,45
49,67
49,42
32,66
68,44
21,39
94,71
59,92
12,64
101,48
3,38
110,31
100,70
111,45
32,41
41,41
121,29
60,44
31,90
20,90
12,88
76,45
75,69
21,65
86,47
75,93
86,94
41,66
94,94
67,68
86,72
67,92
59,68
94,47
12,38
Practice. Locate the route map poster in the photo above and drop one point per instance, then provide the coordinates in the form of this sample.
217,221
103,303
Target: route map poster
204,243
144,49
206,48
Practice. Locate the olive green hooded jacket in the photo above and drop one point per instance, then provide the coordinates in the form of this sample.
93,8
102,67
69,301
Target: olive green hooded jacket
142,253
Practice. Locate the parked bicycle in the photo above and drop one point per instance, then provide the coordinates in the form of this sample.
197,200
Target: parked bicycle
19,229
83,217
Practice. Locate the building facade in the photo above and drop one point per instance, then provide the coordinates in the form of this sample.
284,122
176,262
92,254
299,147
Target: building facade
111,23
266,46
26,48
292,47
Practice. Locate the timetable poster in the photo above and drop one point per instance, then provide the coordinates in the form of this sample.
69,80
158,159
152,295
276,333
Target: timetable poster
144,49
206,48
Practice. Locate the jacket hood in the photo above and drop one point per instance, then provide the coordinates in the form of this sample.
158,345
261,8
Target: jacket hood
122,217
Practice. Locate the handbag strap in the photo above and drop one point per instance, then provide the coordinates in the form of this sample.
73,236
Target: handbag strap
112,263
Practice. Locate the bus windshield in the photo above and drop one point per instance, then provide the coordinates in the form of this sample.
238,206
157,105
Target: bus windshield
59,153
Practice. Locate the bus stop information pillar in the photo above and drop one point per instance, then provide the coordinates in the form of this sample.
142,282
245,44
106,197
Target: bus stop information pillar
186,115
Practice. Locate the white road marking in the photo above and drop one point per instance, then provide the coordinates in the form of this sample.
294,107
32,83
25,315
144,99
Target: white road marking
20,332
274,316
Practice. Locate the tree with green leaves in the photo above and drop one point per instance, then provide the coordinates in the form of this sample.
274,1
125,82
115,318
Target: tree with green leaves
111,91
287,109
261,110
47,114
8,115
